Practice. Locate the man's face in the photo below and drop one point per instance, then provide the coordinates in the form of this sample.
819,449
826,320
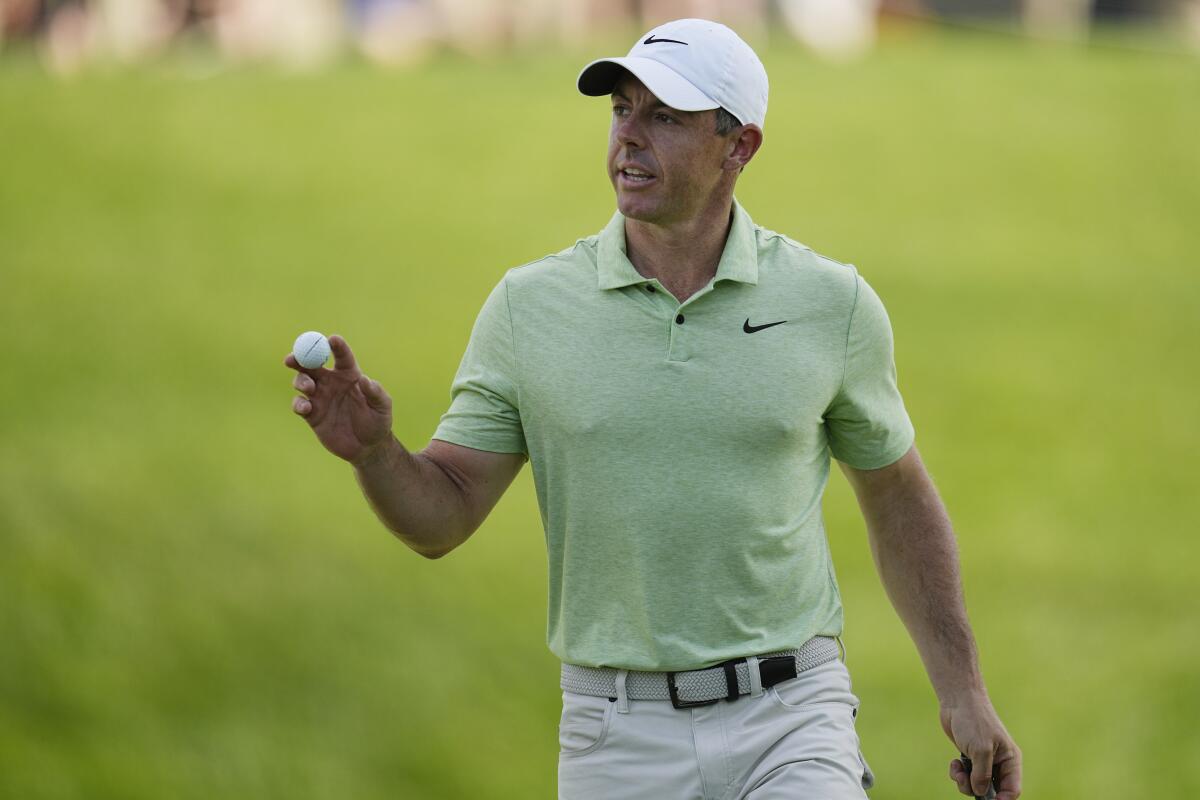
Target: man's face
678,154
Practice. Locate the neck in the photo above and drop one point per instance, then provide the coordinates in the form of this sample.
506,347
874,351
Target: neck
683,256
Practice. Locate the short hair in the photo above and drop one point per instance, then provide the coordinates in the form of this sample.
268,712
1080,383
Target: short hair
726,122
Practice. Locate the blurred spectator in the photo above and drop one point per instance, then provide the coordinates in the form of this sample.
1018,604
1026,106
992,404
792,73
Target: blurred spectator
130,30
70,36
475,26
1125,10
297,33
393,31
833,28
1056,18
1190,13
570,20
21,18
747,17
974,8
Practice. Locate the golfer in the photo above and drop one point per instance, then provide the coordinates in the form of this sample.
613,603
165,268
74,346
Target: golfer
679,383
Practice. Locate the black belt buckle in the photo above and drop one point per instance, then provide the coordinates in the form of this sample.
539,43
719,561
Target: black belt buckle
731,687
776,669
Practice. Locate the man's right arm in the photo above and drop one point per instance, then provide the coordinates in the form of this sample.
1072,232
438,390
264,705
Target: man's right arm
432,500
435,499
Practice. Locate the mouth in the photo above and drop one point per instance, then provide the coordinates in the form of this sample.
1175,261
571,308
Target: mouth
632,177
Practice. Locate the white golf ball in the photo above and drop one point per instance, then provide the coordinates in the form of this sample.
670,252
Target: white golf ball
311,349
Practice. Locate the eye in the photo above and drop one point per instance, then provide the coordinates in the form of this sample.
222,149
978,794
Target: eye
661,117
619,111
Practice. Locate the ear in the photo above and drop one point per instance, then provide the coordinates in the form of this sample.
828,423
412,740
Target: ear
743,144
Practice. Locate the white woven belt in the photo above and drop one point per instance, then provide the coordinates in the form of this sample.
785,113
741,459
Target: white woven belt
725,681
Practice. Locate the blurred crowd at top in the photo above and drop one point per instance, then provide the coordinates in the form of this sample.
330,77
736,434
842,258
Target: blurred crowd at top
69,34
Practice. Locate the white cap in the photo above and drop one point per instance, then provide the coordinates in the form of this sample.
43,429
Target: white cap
691,65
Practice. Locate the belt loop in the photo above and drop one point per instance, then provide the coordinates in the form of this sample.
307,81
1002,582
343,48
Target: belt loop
756,689
622,695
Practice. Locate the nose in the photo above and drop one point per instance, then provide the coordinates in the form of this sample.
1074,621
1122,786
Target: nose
629,131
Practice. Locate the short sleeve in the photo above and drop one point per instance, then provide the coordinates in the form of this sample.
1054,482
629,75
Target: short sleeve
867,424
484,412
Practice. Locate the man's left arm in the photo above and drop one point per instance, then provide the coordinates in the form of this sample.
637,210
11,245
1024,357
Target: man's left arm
916,554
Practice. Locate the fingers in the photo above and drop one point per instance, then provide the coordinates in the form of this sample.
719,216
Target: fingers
1008,777
305,383
372,392
960,776
291,363
343,356
972,780
981,772
375,396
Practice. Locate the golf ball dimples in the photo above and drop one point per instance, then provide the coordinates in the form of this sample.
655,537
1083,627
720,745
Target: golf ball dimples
311,349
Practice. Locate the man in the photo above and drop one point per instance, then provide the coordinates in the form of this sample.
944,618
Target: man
679,382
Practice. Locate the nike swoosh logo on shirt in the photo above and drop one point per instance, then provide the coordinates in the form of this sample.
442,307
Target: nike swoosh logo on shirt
748,328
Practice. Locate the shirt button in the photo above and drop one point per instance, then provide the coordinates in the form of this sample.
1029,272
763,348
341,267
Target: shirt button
679,319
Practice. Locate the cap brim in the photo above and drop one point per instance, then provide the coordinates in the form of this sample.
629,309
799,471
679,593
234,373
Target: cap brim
599,77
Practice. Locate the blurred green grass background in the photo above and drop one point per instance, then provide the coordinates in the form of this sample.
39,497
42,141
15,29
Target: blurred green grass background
198,603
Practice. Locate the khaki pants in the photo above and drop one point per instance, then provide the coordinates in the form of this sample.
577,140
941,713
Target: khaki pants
794,740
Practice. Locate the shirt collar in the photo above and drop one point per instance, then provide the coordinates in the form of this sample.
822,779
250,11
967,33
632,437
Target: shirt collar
739,259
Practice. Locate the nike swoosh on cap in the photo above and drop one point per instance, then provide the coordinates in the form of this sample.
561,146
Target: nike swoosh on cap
651,40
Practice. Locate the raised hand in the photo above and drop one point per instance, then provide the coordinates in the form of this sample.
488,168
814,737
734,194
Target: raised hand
350,413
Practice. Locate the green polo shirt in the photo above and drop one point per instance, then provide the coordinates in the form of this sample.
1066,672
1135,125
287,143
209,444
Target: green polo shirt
680,450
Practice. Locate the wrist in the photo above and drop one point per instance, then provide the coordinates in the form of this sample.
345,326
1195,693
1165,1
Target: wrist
963,697
376,454
956,678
